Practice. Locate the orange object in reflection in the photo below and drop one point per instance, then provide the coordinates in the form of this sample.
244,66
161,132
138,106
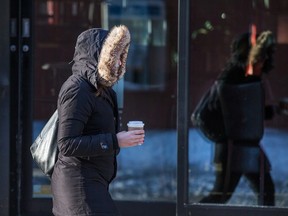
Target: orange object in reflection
249,69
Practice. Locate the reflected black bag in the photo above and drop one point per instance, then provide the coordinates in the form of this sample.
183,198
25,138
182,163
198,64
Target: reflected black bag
208,117
44,149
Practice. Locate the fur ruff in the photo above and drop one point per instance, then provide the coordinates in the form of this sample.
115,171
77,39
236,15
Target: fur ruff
257,52
115,48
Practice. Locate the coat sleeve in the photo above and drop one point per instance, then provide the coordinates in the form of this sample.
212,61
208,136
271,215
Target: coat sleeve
75,108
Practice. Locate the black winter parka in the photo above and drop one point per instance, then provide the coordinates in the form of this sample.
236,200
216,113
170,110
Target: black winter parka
88,123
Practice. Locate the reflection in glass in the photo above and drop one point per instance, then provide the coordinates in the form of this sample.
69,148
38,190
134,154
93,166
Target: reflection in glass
147,21
210,53
149,87
146,172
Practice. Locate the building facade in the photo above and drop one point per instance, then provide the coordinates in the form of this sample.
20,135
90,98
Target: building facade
178,49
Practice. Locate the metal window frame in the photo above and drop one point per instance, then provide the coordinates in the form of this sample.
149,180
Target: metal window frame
37,206
4,110
183,207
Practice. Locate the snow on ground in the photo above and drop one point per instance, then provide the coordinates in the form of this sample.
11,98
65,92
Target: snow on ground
148,172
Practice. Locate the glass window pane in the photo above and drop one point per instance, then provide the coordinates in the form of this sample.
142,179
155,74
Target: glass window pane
148,171
214,26
147,92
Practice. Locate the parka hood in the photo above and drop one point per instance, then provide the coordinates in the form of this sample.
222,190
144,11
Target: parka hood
97,55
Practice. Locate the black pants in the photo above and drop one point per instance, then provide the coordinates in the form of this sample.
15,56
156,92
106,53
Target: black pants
217,196
218,193
91,198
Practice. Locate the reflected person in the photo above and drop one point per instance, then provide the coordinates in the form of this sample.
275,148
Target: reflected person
235,73
88,136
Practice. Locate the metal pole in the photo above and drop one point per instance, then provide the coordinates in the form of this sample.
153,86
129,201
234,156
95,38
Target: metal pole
182,107
4,109
14,107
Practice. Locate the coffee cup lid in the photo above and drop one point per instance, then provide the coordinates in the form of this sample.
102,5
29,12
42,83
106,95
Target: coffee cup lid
135,124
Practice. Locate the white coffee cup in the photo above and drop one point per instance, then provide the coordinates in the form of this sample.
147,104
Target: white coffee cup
135,125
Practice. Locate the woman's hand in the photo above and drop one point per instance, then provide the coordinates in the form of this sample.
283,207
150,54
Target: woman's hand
130,138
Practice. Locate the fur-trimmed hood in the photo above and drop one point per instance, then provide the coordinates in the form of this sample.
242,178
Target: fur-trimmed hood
97,55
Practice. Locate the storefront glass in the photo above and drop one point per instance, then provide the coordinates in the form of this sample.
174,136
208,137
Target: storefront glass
147,93
213,27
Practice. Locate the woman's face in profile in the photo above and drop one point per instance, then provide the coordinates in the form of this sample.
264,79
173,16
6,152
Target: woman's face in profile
118,63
